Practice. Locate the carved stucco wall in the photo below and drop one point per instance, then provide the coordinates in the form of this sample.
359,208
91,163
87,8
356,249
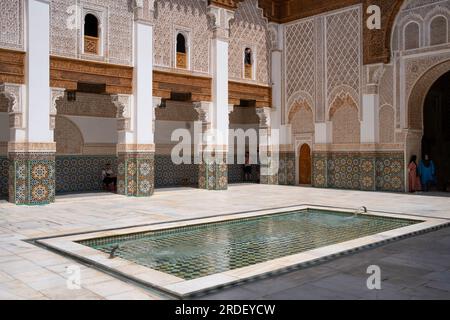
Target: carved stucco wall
387,124
346,126
116,19
249,29
420,13
11,24
189,17
87,104
411,65
323,58
68,137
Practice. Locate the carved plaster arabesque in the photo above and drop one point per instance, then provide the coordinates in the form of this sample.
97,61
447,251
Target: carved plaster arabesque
14,93
55,94
220,21
123,103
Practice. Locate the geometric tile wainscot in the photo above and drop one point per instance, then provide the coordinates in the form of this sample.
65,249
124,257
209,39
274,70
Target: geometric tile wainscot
359,171
81,173
31,178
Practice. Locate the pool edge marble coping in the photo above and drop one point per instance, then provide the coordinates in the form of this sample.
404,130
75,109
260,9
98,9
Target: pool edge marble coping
182,289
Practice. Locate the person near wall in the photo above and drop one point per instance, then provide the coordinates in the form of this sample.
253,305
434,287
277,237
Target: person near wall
414,181
108,177
427,173
247,168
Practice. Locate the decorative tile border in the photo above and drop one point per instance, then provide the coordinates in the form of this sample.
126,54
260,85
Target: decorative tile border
180,288
359,171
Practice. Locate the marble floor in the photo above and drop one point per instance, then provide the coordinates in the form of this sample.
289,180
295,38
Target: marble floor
30,272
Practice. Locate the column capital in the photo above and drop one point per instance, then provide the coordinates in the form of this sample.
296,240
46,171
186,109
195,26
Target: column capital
55,95
374,74
203,109
264,117
124,112
13,93
276,36
220,21
144,11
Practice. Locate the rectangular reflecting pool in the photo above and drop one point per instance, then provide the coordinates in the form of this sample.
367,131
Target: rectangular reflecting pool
196,251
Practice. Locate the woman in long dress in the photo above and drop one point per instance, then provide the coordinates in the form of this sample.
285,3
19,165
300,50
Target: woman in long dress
427,172
413,177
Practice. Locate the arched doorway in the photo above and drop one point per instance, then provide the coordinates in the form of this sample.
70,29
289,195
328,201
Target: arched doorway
304,164
436,129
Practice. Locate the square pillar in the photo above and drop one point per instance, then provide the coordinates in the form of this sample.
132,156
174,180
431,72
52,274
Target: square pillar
31,149
135,114
213,169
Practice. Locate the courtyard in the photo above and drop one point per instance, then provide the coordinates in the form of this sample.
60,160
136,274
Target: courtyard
415,267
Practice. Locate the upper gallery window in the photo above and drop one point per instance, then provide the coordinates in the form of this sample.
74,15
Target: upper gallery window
91,34
181,52
248,63
438,30
412,36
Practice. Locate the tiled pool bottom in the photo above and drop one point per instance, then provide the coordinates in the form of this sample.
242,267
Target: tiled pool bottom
197,251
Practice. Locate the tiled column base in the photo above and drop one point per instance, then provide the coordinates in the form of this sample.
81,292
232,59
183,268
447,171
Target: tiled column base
213,175
136,174
320,170
31,178
269,171
286,170
272,179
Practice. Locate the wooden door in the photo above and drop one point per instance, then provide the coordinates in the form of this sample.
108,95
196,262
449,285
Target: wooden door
304,164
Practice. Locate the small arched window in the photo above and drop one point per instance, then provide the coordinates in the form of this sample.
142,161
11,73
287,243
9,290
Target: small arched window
181,51
91,34
248,63
438,31
412,36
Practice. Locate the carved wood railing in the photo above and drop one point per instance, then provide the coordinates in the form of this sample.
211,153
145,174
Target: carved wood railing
181,60
248,71
91,45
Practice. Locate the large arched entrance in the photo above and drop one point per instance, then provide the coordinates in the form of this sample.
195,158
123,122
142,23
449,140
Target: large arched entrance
304,164
436,129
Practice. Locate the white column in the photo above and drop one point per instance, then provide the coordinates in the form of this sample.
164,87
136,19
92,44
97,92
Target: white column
38,71
219,63
276,31
323,132
370,118
143,82
370,105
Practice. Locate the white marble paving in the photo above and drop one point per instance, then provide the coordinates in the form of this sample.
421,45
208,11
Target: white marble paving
91,213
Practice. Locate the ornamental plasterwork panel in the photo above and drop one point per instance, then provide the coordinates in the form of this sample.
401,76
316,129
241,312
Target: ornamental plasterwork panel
249,29
11,24
422,12
415,68
116,29
343,51
386,88
88,105
184,15
300,58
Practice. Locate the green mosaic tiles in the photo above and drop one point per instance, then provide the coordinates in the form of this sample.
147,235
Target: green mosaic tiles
196,251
